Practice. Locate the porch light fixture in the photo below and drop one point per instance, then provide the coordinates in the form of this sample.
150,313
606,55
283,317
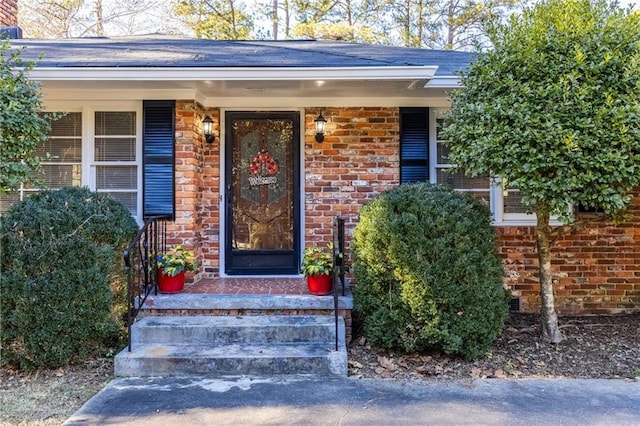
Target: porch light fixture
207,129
321,122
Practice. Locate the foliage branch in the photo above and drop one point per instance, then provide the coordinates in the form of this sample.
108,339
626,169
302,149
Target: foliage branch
554,111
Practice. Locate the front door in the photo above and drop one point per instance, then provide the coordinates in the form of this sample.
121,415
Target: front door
262,197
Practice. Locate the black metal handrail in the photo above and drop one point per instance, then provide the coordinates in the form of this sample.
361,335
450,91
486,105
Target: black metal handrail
339,266
140,266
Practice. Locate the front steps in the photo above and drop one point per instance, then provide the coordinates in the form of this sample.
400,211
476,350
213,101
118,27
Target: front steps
234,345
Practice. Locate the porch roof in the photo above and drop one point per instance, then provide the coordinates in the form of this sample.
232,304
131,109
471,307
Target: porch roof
175,52
227,73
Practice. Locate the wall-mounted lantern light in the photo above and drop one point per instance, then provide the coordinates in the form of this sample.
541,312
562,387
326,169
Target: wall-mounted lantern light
321,122
207,129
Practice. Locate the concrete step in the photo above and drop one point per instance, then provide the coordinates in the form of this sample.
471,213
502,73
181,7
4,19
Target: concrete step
216,330
234,359
225,345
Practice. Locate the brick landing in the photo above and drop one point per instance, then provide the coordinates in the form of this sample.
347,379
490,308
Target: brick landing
239,286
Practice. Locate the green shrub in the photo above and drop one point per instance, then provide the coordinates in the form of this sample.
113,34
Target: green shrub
427,272
61,277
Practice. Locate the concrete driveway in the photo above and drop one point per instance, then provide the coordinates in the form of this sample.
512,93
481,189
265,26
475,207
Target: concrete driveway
312,400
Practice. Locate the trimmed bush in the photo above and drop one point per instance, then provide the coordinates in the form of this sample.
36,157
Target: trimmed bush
61,277
427,272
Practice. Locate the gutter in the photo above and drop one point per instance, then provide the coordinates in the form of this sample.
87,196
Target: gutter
81,73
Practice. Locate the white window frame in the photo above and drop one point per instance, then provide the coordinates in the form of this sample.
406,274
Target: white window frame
23,190
496,195
92,164
89,164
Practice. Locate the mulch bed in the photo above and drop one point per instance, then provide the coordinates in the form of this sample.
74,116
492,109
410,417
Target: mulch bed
595,347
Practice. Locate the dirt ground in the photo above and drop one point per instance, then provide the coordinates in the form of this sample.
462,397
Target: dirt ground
598,347
49,397
595,347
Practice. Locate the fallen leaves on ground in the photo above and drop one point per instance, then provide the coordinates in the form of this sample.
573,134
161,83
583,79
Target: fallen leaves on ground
594,347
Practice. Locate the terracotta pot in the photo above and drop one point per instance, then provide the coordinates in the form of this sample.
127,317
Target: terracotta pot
319,285
168,285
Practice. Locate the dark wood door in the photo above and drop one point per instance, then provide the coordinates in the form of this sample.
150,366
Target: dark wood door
263,193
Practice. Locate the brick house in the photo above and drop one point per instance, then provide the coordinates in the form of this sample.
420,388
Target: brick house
248,197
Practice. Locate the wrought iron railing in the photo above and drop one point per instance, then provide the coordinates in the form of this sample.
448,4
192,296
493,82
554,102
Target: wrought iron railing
339,266
140,266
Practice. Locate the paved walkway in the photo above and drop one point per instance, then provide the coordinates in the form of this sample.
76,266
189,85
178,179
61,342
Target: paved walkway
309,400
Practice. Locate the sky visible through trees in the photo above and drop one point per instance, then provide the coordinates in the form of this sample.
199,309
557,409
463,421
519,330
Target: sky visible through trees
441,24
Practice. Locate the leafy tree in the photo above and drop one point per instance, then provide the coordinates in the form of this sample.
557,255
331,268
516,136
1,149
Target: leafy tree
444,24
351,20
278,12
554,111
339,31
462,23
22,124
411,18
216,19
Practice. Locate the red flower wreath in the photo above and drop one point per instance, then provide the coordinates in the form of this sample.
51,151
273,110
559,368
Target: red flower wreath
270,164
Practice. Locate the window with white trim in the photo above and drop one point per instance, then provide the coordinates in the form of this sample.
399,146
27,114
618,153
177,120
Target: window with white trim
61,159
115,164
509,206
100,149
479,187
505,204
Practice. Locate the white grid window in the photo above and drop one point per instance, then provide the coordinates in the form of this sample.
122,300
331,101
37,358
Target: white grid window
61,159
479,187
505,204
115,156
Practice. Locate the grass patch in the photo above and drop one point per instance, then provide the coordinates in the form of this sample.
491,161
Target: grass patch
49,397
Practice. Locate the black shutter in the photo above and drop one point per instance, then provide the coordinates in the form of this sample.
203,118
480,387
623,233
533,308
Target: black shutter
158,151
414,145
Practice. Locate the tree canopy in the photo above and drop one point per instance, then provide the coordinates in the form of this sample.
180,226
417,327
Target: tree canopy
441,24
216,19
22,125
554,111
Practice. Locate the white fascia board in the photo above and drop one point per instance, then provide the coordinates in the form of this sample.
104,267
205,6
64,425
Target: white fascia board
213,74
308,102
449,82
119,94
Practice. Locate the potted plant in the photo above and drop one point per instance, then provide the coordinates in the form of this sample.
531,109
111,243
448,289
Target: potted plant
172,266
317,266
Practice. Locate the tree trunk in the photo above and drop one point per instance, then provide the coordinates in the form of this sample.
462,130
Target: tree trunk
99,19
287,19
549,319
274,20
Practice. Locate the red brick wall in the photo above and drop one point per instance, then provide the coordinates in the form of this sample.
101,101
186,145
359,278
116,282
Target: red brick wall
8,13
358,159
596,268
210,202
196,187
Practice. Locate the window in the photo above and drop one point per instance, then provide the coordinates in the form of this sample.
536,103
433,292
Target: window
418,148
115,156
61,159
478,187
100,149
